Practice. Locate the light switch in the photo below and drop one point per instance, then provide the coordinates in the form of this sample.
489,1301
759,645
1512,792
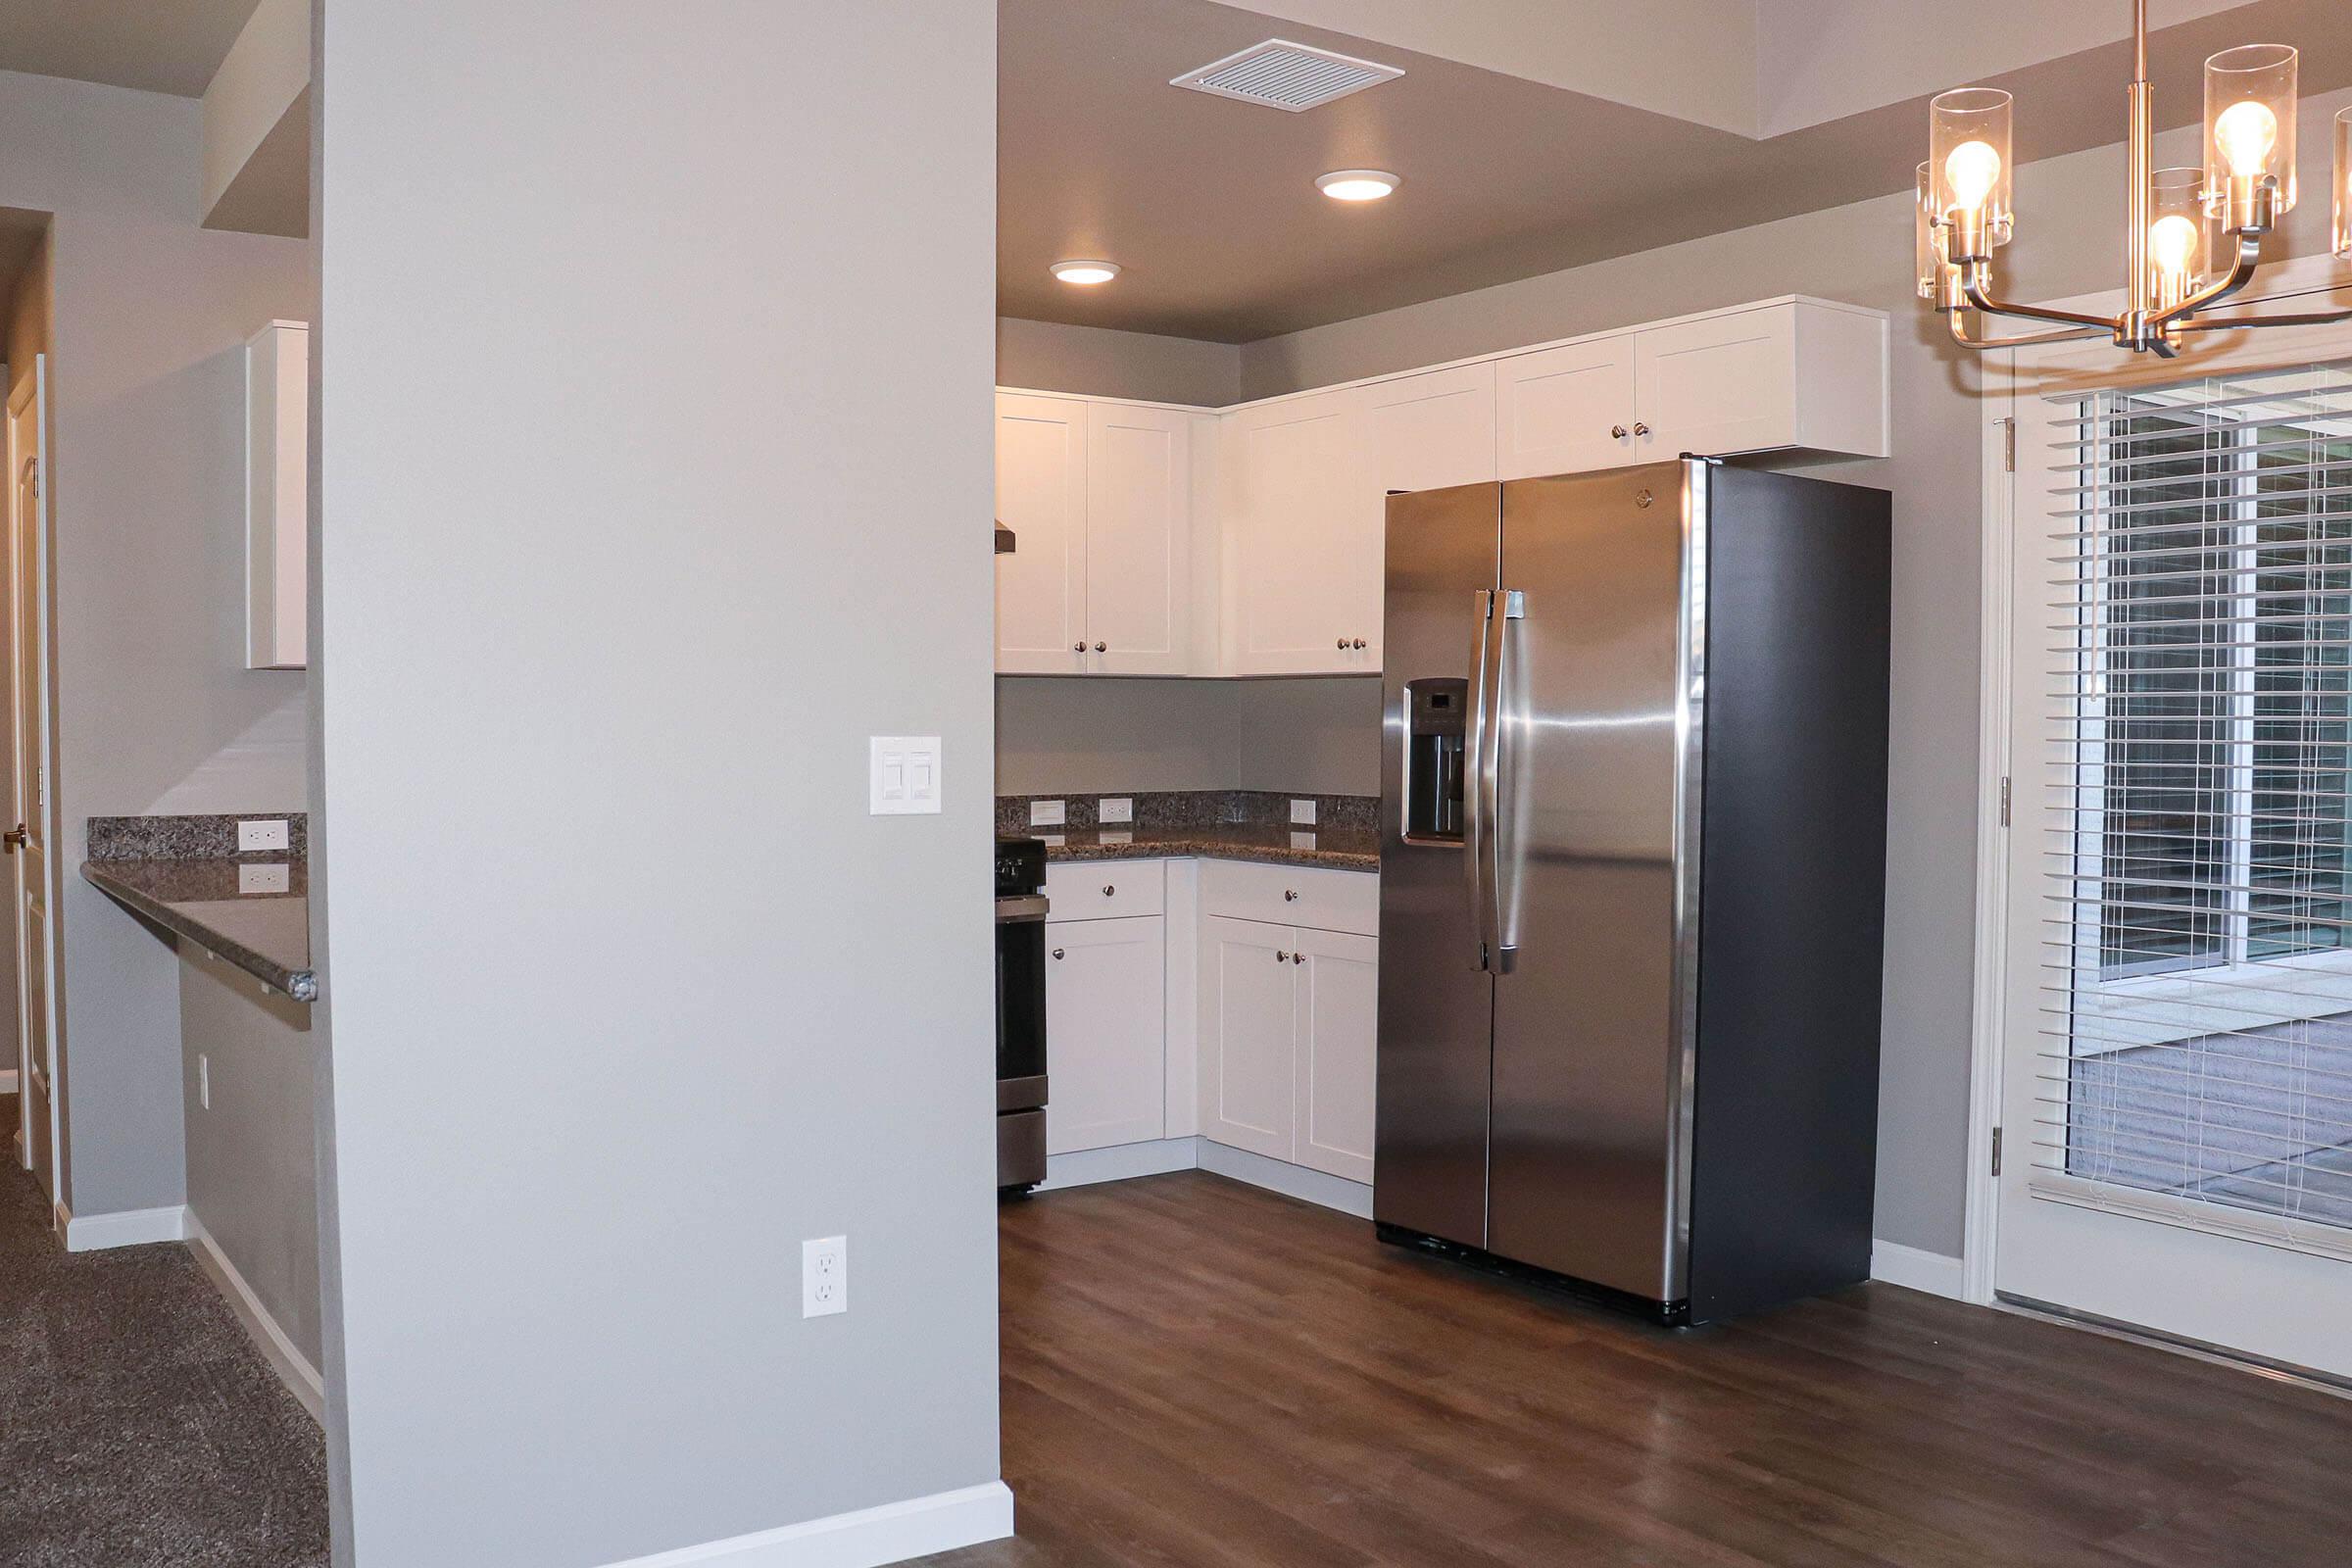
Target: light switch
904,774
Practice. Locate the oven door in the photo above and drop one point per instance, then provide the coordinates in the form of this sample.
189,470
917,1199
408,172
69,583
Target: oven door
1020,1002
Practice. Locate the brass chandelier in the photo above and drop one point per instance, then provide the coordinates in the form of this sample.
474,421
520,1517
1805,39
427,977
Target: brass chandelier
2195,234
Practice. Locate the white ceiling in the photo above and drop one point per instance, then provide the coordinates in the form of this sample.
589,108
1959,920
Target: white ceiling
168,46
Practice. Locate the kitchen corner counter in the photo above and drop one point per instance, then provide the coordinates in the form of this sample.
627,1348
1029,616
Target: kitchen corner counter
1339,849
213,902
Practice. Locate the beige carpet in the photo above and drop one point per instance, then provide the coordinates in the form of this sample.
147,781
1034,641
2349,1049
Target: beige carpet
138,1426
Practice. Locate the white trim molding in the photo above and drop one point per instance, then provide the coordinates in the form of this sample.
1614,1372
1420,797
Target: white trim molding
1918,1270
1291,1181
285,1357
866,1538
1121,1162
132,1227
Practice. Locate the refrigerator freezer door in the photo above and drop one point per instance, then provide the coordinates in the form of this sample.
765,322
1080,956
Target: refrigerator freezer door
1435,1003
1588,1140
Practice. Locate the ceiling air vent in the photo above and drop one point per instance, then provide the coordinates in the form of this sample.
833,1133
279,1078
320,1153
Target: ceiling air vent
1286,76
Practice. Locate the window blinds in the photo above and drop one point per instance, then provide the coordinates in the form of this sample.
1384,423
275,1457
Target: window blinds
2198,987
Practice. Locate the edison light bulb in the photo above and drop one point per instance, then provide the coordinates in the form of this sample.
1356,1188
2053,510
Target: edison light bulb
2172,244
1972,171
2246,132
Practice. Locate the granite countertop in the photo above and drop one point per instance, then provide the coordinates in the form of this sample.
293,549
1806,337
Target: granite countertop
1341,849
206,901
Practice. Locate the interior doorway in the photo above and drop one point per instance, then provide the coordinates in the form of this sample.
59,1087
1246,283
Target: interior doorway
28,835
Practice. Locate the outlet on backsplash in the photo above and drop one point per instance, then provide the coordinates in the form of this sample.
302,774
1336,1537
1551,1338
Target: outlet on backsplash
1117,809
1045,813
1302,814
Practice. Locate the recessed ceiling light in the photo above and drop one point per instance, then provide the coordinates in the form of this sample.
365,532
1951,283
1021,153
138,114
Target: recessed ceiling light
1357,185
1085,272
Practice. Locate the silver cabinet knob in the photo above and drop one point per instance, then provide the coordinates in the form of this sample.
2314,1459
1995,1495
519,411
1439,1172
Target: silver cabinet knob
1058,953
1640,429
1298,958
1342,645
1616,432
1280,957
1102,648
1289,894
1358,644
1109,889
1077,648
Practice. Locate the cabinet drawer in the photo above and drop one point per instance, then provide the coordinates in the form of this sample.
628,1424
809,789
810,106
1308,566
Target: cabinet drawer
1290,895
1105,890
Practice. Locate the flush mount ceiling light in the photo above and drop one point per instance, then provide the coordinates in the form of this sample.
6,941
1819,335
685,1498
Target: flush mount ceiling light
1357,185
1085,273
2195,234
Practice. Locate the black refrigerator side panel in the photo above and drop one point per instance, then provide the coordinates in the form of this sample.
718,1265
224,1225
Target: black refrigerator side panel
1791,891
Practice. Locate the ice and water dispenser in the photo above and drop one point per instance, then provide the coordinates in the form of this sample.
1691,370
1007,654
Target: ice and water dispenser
1434,759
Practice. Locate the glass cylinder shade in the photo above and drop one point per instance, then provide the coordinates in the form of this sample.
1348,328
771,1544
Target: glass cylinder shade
2250,134
1928,260
2181,235
1968,153
2344,184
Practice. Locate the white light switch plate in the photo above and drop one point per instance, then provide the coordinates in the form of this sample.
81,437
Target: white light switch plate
1047,814
265,876
270,835
1303,812
905,779
1117,809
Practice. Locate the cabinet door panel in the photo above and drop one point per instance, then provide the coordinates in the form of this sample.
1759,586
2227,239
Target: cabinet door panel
1718,387
1299,536
1431,431
1139,470
1559,409
1041,496
1336,1032
1105,1033
1247,990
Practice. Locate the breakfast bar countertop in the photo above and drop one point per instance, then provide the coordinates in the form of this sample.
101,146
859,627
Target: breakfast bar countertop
253,914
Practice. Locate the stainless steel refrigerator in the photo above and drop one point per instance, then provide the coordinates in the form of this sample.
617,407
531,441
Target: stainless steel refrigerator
1632,881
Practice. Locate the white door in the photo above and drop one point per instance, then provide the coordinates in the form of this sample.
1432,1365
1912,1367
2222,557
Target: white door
28,463
2175,1133
1716,386
1139,509
1041,496
1567,410
1298,534
1248,1026
1336,1030
1105,1033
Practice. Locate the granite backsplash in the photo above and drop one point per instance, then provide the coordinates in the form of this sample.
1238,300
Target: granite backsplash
193,838
1171,808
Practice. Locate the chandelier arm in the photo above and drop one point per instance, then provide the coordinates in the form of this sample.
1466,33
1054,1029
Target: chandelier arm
2249,258
1974,288
2021,340
2240,322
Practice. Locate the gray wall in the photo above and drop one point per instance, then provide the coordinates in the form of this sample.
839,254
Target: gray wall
1096,361
2069,208
154,707
1083,733
253,1169
601,510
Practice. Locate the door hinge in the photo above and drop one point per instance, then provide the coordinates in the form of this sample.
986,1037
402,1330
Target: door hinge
1996,1150
2004,801
2009,445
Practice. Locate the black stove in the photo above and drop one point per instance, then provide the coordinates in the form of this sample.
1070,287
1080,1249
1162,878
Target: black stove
1020,1013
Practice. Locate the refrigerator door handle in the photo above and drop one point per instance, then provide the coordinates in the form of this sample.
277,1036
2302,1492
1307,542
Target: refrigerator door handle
1503,849
1478,790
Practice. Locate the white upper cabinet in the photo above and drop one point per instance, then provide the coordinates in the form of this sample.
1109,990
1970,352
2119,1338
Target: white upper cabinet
1099,497
277,506
1138,539
1298,590
1431,431
1567,410
1041,496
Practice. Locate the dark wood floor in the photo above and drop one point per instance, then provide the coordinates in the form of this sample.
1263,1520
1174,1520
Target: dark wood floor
1197,1373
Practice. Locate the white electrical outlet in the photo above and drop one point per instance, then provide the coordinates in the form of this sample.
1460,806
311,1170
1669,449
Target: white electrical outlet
1302,814
825,1275
203,1082
1047,814
1117,809
264,877
268,835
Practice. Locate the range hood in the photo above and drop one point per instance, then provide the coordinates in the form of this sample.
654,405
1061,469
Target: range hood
1004,539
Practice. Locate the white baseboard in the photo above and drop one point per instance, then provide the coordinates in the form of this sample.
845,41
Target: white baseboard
285,1358
7,1080
1291,1181
866,1538
1121,1162
1921,1270
133,1227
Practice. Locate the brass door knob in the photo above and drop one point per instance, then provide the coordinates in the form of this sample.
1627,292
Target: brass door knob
14,837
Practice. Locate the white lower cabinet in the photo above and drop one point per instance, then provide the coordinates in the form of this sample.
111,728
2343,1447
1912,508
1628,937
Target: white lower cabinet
1106,1032
1289,1029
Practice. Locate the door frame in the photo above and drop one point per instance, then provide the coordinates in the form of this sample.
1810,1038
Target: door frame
34,386
2007,373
